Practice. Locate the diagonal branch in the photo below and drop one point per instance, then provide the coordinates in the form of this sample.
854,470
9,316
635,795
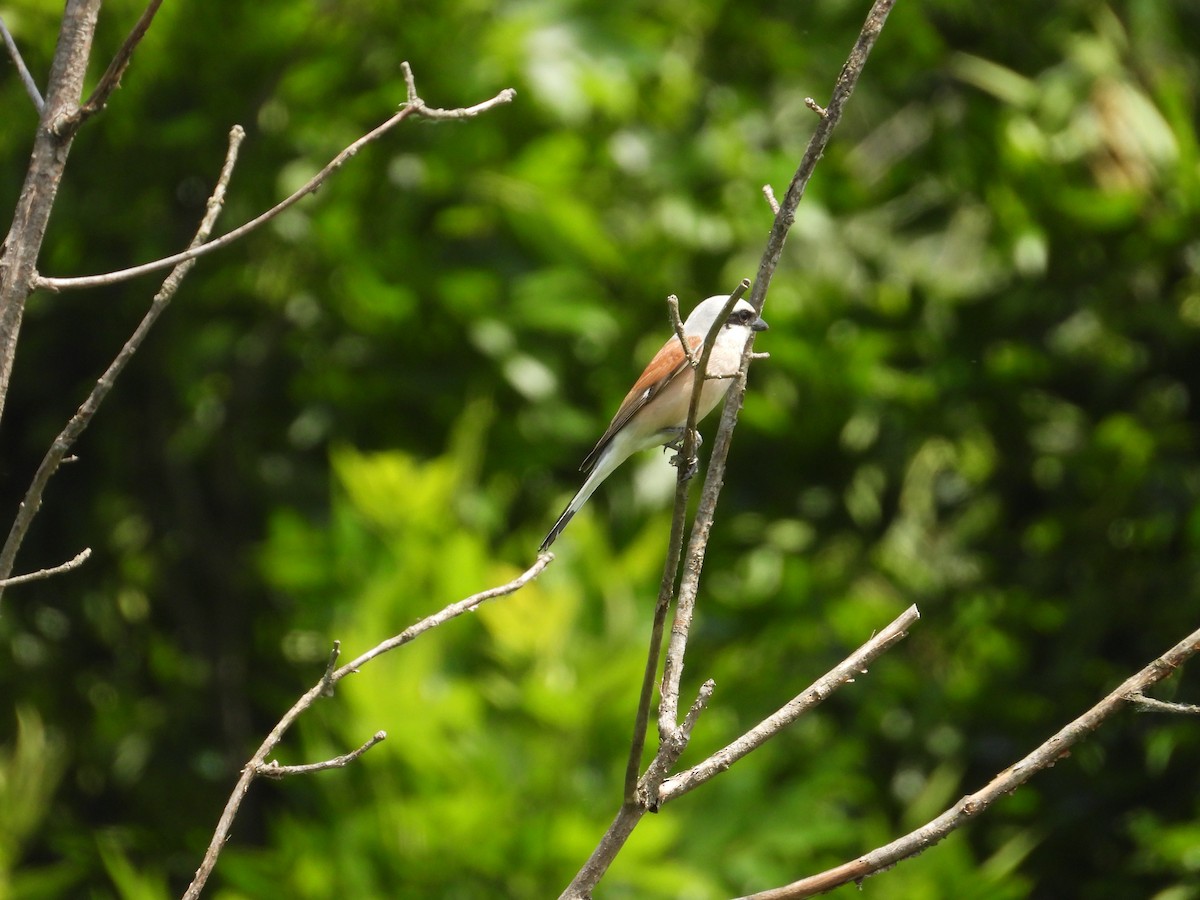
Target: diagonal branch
111,79
31,87
445,615
83,416
843,673
275,770
784,219
785,216
658,790
414,107
324,688
715,473
1041,758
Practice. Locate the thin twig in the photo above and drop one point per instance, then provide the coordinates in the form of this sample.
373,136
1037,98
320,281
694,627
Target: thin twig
832,114
1148,704
327,680
74,563
843,673
275,770
677,324
1043,757
444,615
666,588
671,747
324,688
668,705
666,592
111,79
415,107
31,87
83,416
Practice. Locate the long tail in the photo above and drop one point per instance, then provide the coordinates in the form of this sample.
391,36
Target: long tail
567,515
612,457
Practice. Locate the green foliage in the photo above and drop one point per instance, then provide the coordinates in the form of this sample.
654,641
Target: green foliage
980,398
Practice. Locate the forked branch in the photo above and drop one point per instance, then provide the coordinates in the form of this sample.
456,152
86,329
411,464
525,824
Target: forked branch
653,796
83,416
1040,759
111,79
258,764
414,106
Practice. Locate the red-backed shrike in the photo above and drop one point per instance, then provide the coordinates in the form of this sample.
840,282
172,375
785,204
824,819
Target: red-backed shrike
655,410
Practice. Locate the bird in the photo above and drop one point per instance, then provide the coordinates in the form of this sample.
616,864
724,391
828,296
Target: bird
655,410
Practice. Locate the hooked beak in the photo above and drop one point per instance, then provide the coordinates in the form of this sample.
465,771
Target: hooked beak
759,324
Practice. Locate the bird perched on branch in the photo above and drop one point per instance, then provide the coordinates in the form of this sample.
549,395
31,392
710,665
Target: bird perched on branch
655,410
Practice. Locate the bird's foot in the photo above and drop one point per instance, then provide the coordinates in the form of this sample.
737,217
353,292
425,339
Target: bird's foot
691,464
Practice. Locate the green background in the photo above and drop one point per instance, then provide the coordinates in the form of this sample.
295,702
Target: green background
981,398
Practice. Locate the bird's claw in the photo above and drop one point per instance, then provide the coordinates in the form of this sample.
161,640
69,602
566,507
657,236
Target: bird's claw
677,444
691,464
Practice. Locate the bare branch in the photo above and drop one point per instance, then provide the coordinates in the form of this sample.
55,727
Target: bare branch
31,87
415,107
677,324
656,789
614,839
671,747
843,673
816,107
324,688
83,416
666,587
830,116
275,770
111,79
445,615
666,591
74,563
668,706
1043,757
